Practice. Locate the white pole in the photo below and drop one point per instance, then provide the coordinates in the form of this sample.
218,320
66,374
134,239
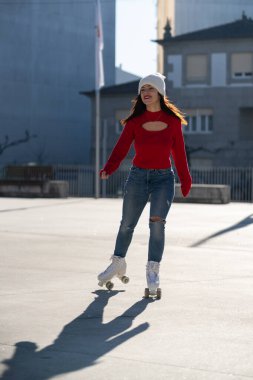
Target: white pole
104,154
99,82
97,145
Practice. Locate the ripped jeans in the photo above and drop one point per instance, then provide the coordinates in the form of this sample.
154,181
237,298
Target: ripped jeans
142,185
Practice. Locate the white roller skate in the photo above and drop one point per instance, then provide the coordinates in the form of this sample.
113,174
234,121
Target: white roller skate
116,269
152,274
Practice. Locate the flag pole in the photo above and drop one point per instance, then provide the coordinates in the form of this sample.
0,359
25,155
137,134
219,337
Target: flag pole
97,145
99,82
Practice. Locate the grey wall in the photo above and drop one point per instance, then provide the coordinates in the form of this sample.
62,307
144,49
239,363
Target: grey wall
191,15
231,143
46,57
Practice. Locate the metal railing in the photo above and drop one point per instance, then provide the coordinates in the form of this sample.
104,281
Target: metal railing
240,180
81,180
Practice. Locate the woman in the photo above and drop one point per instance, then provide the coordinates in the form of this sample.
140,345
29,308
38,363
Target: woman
154,125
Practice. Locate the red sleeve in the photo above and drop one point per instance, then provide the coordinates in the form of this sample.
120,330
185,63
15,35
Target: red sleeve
180,160
121,148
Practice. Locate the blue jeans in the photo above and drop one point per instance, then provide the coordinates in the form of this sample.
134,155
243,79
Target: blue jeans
142,185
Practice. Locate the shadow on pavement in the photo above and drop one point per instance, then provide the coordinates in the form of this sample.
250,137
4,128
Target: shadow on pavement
243,223
80,344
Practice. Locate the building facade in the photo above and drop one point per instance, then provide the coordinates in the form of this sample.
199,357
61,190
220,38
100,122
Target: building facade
47,57
210,77
191,15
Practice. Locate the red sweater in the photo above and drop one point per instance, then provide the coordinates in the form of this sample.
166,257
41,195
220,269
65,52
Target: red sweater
153,148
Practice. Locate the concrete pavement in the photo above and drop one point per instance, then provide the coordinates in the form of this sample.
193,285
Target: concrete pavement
55,323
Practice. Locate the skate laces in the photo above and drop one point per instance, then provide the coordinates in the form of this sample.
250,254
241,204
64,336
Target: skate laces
116,259
153,266
152,270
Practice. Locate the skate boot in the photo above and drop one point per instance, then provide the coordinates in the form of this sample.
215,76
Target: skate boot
152,274
116,268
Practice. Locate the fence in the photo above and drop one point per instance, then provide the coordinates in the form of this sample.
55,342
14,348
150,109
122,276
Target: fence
240,181
81,181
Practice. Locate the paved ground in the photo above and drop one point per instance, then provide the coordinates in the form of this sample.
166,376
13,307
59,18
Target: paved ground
56,324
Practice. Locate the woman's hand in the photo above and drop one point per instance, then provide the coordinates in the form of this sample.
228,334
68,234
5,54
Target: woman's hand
186,187
103,175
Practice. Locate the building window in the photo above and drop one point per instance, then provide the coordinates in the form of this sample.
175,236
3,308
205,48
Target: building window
245,126
197,68
119,115
199,121
242,65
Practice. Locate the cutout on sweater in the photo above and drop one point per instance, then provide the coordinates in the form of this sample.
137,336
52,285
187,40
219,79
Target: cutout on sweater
154,126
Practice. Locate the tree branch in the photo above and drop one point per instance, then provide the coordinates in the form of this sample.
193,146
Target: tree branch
6,144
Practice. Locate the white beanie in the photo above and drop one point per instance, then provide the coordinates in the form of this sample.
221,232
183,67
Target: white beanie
155,80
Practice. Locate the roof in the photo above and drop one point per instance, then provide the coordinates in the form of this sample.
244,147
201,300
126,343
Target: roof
123,88
242,28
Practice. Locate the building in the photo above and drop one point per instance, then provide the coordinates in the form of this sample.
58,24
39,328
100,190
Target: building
210,77
122,76
115,102
191,15
47,57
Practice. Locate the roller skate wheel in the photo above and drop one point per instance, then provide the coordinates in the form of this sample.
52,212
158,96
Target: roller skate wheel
146,293
125,279
159,293
109,285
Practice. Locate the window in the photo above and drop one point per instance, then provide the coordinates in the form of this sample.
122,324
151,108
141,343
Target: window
242,65
245,126
119,115
197,68
199,121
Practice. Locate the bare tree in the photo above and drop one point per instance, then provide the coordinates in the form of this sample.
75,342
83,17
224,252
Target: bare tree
6,144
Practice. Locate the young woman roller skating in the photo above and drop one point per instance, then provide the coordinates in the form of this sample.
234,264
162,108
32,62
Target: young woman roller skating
154,126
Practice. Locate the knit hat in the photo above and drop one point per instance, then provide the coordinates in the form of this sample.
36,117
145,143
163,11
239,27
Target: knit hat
155,80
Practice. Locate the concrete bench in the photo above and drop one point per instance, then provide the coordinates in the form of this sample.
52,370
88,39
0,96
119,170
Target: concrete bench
32,181
201,193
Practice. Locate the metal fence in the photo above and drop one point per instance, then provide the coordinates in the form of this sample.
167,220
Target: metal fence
240,180
81,180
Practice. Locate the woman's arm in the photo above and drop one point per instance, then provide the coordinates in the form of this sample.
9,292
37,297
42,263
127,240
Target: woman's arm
180,159
119,151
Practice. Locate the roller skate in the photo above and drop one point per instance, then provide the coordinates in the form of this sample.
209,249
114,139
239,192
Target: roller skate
116,269
152,274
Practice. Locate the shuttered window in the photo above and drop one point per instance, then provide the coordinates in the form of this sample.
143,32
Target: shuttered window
196,68
242,65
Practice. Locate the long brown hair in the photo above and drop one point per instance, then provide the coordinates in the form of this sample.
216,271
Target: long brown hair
138,108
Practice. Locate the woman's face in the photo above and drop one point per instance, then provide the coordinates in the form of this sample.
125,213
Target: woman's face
149,95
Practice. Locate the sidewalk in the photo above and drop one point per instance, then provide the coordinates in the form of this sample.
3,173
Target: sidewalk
56,323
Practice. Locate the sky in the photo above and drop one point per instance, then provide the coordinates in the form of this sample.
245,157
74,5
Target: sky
135,28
